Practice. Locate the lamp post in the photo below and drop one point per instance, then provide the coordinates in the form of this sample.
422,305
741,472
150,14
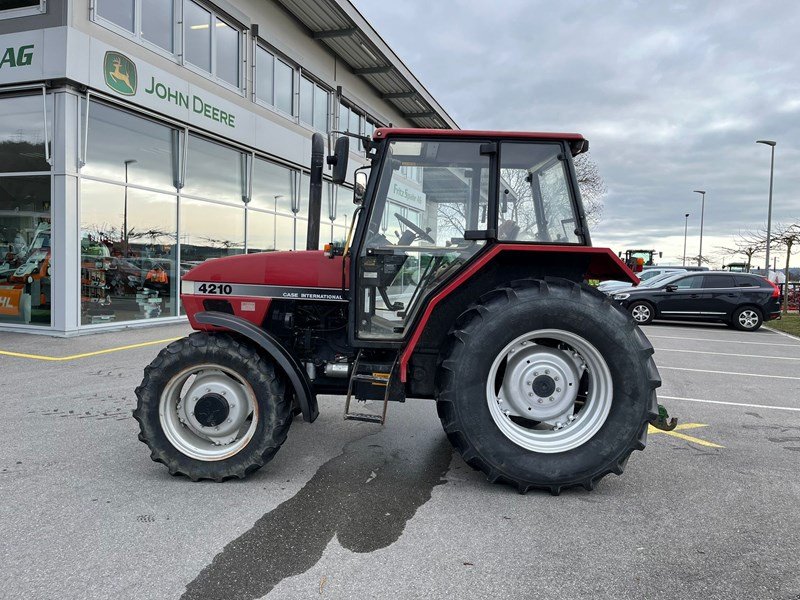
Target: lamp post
130,161
685,230
771,144
702,214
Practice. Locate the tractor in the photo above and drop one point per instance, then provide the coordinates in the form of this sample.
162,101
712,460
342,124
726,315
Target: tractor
638,259
462,281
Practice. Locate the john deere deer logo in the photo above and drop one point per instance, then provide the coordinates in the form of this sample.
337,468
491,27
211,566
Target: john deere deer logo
120,73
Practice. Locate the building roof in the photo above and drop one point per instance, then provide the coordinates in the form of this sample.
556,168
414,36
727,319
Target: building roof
344,30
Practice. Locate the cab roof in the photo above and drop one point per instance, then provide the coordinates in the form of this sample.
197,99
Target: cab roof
577,142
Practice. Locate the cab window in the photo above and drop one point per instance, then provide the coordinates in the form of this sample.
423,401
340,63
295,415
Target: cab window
536,203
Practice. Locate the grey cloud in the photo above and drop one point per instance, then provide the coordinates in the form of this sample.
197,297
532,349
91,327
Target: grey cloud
671,95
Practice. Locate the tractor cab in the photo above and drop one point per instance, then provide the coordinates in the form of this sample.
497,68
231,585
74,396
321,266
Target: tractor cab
434,201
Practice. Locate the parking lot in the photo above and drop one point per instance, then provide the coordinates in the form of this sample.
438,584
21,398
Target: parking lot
355,510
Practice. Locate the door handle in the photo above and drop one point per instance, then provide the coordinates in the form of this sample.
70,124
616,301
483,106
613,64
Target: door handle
694,295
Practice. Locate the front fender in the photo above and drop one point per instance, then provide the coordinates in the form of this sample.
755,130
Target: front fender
294,372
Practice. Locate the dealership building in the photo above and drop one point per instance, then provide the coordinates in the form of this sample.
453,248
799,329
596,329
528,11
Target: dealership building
139,138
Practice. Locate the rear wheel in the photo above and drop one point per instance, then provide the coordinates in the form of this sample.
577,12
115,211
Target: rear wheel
210,407
547,384
642,312
747,318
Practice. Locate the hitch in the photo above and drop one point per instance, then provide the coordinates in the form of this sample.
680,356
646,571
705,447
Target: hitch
663,420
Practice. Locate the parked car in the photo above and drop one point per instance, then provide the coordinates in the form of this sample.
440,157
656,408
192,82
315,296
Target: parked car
741,300
611,286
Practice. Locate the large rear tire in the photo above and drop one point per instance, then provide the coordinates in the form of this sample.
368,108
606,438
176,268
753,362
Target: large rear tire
547,385
211,407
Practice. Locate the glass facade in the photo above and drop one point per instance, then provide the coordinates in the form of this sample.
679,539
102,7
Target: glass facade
149,211
25,211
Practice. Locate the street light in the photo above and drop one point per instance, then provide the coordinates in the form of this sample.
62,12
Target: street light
685,229
130,161
702,214
769,210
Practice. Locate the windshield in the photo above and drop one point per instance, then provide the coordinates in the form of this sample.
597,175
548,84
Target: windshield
658,279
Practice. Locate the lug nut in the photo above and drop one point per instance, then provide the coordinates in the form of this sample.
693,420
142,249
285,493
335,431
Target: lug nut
530,394
558,389
547,371
540,400
556,377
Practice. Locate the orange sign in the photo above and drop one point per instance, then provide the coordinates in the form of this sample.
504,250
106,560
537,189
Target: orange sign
10,297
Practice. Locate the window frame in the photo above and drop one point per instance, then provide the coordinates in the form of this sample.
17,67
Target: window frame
315,85
24,11
216,14
177,37
276,56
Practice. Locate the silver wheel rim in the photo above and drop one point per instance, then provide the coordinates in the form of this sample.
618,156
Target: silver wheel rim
641,313
190,430
748,319
549,391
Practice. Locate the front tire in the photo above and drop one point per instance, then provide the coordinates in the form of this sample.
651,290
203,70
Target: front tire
747,318
211,407
546,385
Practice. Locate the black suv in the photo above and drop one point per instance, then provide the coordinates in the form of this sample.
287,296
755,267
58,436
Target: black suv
741,300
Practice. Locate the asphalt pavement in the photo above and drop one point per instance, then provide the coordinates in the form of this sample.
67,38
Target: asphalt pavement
355,510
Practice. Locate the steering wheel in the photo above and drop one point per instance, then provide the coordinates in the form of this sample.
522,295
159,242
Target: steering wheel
415,228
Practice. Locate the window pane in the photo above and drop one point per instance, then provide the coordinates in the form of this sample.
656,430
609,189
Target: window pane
320,108
22,133
11,4
227,40
124,147
272,187
284,87
210,230
284,233
197,31
264,75
128,251
718,281
306,101
214,171
301,234
344,113
25,256
535,202
157,22
260,231
119,12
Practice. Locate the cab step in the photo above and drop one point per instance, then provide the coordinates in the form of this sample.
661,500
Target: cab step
369,381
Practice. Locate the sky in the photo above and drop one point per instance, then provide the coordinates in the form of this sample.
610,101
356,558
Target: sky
671,95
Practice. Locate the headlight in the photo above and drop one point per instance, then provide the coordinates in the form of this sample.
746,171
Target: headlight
622,296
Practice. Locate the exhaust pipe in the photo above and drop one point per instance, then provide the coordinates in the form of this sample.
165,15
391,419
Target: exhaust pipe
315,191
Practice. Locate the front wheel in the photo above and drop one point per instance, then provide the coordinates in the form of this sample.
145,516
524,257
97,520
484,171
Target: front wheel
642,312
210,407
747,318
548,385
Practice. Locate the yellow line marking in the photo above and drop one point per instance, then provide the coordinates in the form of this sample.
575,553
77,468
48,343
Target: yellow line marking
86,354
683,426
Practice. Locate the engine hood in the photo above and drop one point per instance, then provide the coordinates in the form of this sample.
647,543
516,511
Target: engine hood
308,268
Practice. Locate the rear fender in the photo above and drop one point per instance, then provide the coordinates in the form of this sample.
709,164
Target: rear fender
498,265
296,375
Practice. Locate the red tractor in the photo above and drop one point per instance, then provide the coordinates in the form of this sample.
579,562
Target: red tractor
461,281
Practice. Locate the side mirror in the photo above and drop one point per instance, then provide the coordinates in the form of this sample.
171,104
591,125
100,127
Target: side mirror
339,159
671,287
360,187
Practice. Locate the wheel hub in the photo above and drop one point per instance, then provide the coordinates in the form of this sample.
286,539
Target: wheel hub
544,386
211,410
540,383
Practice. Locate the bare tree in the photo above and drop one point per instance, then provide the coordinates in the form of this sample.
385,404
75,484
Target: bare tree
788,237
592,187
